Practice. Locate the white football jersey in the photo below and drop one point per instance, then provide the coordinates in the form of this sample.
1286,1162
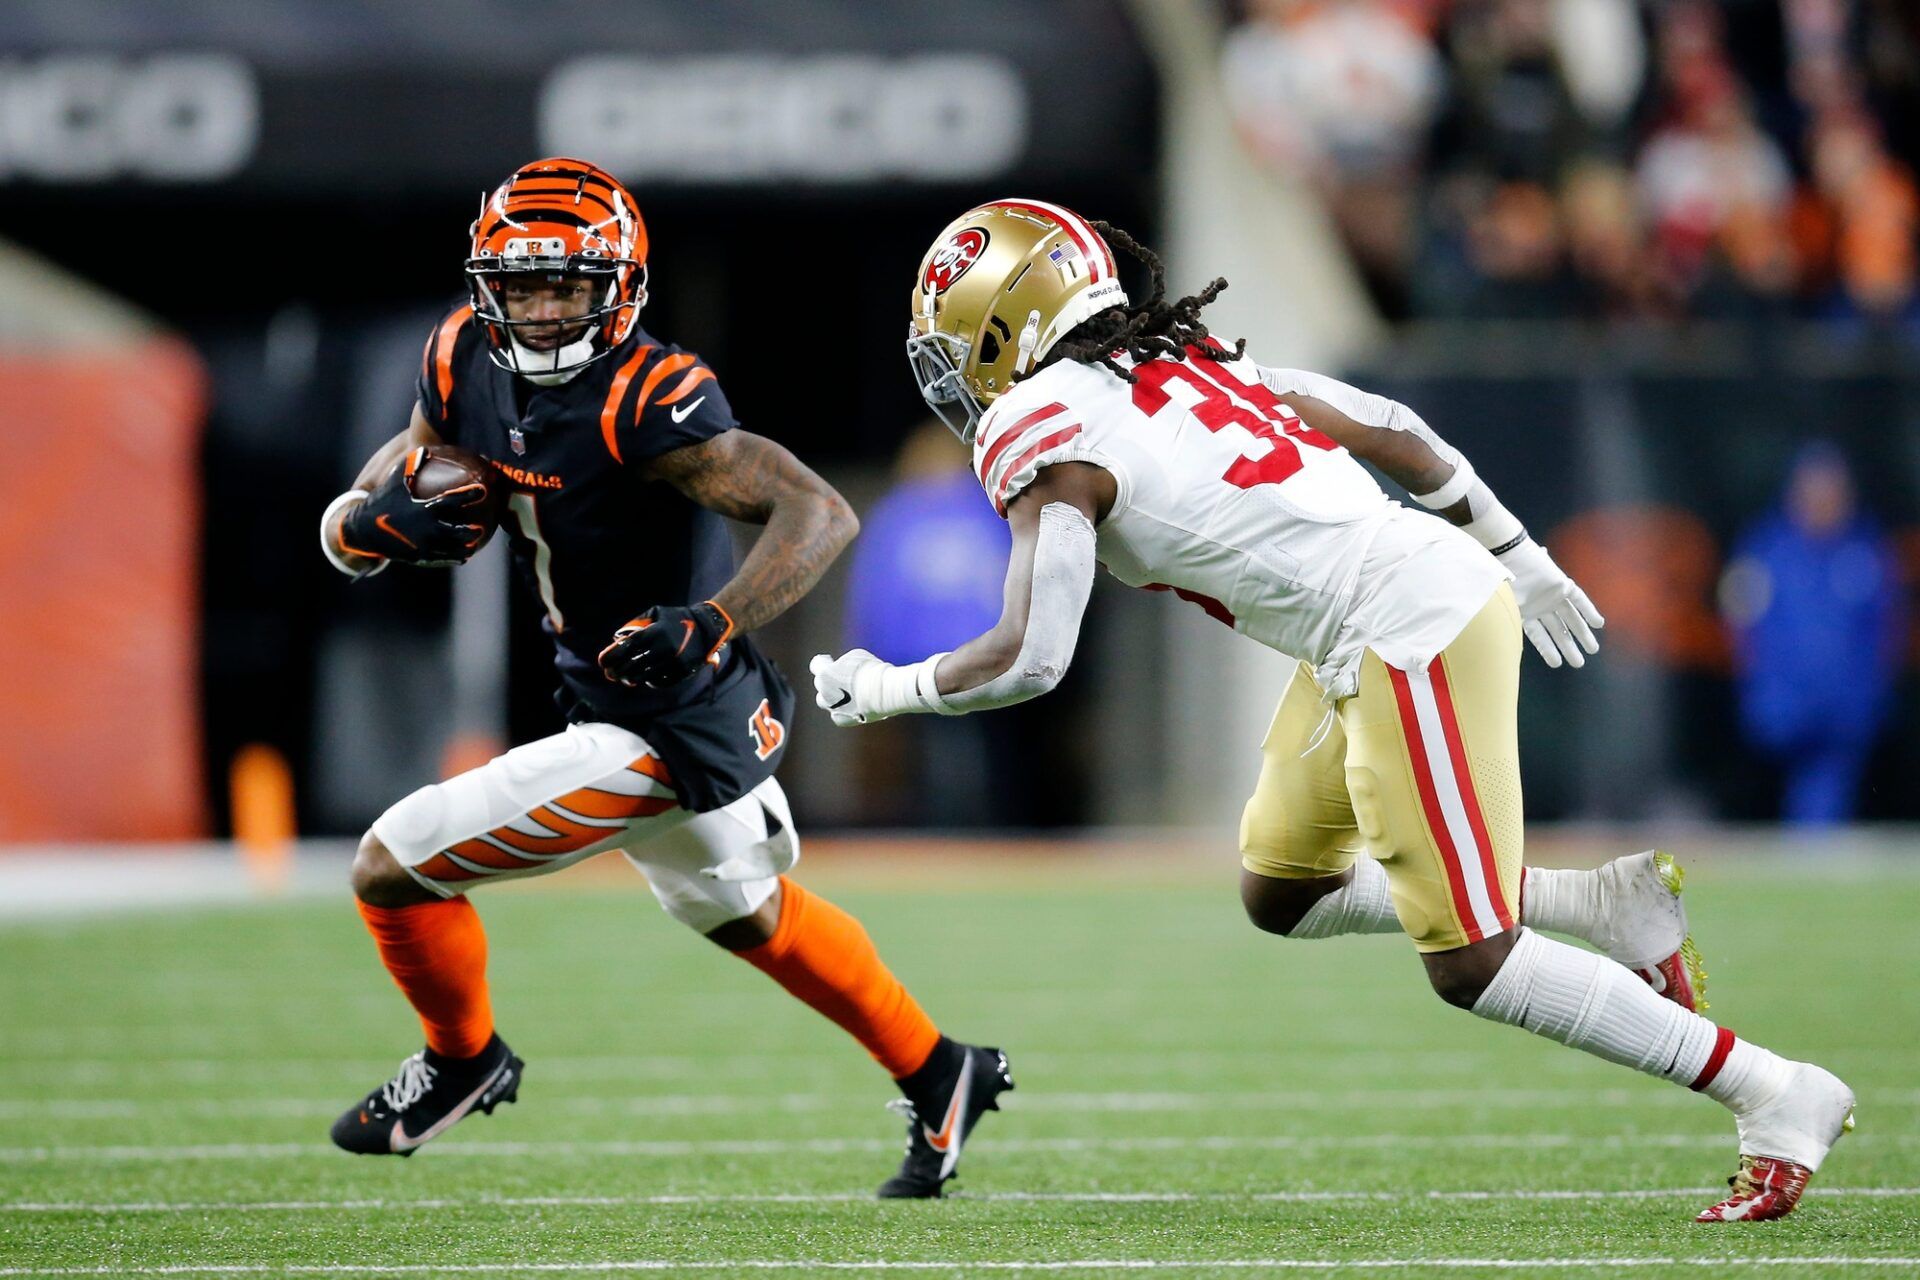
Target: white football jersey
1229,501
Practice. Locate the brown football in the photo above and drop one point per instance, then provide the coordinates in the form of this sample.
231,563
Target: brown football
448,466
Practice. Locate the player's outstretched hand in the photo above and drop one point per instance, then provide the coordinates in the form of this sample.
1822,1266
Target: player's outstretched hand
393,524
667,644
1554,611
835,681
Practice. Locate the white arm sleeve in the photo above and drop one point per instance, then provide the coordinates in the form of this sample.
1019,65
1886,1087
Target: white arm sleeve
1063,565
1492,525
1362,406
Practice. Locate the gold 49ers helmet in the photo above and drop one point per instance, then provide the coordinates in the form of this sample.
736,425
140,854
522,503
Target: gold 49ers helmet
552,220
1002,284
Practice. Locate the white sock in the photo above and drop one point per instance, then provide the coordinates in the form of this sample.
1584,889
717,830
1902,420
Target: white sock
1361,905
1561,901
1587,1002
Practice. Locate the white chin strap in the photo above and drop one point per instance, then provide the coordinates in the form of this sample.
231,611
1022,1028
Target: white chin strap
527,361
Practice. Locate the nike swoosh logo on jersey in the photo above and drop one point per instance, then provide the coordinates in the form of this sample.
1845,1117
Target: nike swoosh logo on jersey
948,1138
680,412
399,1139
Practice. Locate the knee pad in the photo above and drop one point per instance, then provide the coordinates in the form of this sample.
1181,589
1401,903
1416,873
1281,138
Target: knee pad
704,905
723,864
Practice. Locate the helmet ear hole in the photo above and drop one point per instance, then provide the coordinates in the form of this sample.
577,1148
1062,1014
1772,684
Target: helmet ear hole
989,347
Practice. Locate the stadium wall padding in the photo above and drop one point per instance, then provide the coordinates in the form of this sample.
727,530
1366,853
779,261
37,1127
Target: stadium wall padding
99,556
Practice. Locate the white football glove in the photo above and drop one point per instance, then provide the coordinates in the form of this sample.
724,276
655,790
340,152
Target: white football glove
1554,611
836,685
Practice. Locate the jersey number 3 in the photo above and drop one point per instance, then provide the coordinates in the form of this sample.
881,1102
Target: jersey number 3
1225,401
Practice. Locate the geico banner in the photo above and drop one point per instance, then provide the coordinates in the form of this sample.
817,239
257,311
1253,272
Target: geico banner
168,117
244,121
823,119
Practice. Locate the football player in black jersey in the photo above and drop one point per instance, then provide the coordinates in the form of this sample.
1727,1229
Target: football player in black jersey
620,457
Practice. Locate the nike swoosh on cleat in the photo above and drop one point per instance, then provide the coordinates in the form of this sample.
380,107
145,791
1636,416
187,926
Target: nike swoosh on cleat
948,1135
401,1143
680,412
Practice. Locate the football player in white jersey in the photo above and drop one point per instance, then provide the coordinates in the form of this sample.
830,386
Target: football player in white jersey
1389,797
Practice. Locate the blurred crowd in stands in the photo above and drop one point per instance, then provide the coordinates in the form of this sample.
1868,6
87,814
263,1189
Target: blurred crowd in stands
1601,158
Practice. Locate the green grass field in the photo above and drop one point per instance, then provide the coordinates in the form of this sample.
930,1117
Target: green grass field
1195,1099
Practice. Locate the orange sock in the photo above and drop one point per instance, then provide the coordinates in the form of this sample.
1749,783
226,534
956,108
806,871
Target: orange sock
437,953
822,956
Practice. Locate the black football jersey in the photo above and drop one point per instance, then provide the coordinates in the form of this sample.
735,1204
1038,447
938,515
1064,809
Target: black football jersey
599,544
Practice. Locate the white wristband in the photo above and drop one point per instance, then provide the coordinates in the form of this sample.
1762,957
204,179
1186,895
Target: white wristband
327,546
886,690
927,685
1493,526
1457,487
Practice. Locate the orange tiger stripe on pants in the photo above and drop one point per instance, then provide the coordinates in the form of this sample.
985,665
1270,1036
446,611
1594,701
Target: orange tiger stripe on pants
564,821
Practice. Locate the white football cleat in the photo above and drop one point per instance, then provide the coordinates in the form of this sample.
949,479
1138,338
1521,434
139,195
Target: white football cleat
1644,926
1782,1143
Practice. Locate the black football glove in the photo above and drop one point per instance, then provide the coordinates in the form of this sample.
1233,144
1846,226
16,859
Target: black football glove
667,644
392,524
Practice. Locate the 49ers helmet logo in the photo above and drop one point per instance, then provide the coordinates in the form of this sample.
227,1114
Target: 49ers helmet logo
951,260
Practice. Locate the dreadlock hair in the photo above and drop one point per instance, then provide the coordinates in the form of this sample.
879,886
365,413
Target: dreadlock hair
1155,328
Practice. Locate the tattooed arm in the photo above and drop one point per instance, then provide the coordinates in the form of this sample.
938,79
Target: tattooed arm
806,522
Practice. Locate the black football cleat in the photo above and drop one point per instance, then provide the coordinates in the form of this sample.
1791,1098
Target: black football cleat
428,1096
962,1083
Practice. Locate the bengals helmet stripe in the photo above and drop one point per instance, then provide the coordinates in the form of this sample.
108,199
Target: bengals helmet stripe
554,219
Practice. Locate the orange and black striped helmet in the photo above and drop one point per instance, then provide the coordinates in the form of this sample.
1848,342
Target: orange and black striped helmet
558,218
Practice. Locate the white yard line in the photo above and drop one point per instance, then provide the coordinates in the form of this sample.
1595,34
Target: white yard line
1006,1197
596,1066
591,1066
716,1104
829,1146
961,1265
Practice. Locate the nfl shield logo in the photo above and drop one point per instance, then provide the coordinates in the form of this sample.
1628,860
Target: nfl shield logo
517,439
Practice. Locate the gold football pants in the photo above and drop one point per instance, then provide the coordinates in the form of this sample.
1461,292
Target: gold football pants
1421,770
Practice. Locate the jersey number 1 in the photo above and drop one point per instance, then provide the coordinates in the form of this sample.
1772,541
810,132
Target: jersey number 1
1225,401
520,507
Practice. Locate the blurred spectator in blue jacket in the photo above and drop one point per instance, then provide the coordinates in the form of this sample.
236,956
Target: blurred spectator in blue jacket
1814,599
927,576
929,566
